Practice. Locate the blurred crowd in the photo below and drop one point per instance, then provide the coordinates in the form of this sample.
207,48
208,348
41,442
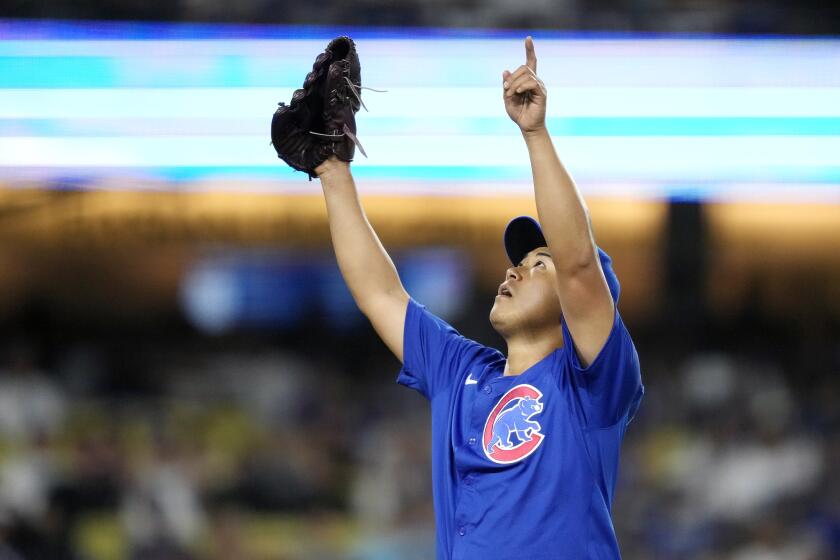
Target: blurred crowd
168,452
706,16
728,462
247,447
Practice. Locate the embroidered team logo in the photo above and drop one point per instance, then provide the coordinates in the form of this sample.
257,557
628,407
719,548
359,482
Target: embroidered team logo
510,434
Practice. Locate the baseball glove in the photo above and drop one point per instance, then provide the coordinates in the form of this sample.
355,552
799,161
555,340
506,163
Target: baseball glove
320,120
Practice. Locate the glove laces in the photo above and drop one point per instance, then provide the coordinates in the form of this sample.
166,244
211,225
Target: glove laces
355,90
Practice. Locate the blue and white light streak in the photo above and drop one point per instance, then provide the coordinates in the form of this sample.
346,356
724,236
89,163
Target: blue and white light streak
632,116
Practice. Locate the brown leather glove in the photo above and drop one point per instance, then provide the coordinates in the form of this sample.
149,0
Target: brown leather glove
320,121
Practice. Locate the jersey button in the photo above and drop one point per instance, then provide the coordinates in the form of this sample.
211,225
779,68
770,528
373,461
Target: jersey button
487,389
462,531
472,441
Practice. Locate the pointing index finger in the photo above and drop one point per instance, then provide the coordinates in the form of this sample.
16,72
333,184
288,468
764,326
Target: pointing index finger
530,55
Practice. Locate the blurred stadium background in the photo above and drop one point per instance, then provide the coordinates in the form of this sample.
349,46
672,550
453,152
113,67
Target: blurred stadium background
183,374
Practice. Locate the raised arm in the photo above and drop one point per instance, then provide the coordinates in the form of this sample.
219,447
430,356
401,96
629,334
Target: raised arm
365,265
584,295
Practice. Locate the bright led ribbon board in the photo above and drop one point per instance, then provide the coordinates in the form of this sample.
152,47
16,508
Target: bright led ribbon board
189,107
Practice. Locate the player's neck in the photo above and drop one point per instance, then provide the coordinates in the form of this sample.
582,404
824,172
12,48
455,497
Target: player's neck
527,349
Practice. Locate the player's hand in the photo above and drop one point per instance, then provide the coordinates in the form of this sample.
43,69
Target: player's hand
525,93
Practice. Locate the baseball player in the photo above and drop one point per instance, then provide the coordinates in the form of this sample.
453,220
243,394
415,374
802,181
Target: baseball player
525,447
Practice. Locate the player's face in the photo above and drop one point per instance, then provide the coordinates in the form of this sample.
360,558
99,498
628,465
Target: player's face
527,299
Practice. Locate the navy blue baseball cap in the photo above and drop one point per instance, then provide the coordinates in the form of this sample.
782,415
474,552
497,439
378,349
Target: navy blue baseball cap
524,234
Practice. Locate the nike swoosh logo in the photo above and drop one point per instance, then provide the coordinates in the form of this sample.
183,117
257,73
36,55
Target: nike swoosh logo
470,380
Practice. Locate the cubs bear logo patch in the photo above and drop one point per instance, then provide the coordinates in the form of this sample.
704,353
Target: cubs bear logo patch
510,433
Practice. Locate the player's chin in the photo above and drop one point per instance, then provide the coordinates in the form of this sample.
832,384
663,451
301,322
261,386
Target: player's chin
504,319
500,306
494,311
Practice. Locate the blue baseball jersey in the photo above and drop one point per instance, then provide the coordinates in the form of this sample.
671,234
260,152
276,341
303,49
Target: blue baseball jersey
523,466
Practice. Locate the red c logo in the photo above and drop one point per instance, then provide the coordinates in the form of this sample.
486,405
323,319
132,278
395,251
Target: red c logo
516,420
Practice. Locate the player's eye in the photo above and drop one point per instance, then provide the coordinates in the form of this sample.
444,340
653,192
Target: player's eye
539,263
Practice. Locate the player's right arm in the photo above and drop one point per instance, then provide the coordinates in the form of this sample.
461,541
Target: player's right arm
365,265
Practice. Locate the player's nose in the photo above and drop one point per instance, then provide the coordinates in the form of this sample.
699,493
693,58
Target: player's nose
512,274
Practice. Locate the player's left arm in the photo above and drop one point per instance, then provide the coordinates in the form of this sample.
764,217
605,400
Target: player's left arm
584,295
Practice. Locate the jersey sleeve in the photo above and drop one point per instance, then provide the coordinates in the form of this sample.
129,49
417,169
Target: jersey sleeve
434,353
611,385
